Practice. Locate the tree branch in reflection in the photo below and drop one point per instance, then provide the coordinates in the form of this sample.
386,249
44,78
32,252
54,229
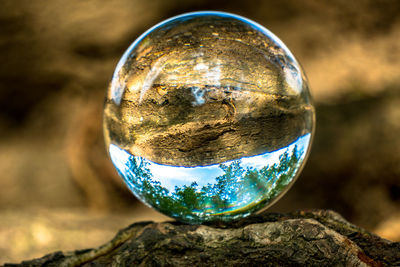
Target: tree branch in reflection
239,187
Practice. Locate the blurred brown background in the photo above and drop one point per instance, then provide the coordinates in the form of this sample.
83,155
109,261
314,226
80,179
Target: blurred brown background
58,190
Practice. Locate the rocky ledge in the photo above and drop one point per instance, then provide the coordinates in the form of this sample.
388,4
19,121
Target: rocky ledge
310,238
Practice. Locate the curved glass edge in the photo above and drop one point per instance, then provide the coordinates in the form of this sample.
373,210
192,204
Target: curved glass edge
227,191
116,87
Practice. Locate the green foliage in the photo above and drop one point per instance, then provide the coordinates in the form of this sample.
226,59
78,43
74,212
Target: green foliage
237,187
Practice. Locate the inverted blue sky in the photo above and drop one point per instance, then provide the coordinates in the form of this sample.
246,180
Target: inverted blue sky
171,176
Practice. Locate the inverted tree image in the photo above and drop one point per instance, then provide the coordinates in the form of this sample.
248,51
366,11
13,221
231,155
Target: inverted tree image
239,188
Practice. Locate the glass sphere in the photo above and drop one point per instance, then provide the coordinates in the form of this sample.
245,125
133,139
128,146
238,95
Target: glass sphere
208,117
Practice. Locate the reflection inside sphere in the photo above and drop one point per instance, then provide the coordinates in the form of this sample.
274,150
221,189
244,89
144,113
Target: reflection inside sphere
208,117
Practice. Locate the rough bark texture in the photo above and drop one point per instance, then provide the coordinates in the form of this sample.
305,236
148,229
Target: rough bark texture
204,91
312,238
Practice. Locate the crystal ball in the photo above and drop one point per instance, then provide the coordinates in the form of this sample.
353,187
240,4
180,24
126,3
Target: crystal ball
208,117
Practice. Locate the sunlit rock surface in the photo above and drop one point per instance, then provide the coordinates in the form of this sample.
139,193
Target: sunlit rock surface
304,238
208,117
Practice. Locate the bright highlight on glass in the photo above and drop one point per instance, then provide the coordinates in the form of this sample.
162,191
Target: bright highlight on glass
208,117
